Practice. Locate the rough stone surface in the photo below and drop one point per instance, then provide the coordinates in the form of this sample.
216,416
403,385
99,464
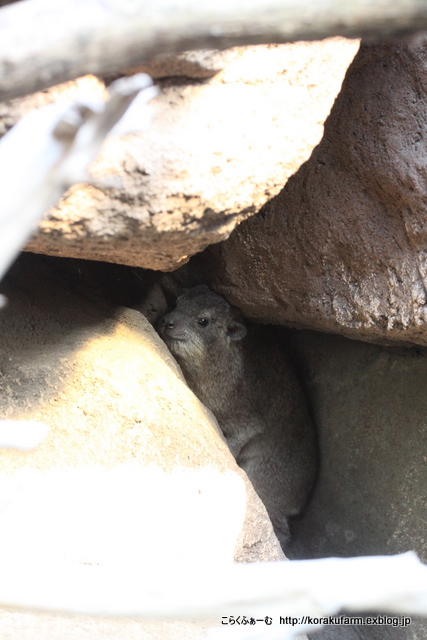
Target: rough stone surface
216,151
342,247
370,408
134,469
199,64
13,110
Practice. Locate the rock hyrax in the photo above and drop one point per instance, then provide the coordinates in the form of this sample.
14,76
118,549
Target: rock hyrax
241,372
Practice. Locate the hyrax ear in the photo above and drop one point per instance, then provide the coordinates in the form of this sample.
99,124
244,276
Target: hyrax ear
236,330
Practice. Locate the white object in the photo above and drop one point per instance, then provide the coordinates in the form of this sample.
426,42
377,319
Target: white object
298,590
24,434
51,148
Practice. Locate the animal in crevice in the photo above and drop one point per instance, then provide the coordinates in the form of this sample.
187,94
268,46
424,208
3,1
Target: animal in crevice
242,373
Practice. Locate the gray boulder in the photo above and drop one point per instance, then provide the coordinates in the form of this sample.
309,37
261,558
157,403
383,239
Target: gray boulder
342,247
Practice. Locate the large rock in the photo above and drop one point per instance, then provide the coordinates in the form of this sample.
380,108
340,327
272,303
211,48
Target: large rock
134,471
216,151
342,247
370,407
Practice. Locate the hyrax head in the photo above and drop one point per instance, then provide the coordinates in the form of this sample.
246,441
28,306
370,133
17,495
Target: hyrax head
202,323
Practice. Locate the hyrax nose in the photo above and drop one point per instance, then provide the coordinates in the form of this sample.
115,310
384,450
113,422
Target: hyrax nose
168,322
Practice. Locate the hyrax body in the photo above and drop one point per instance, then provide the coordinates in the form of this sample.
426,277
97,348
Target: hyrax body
240,371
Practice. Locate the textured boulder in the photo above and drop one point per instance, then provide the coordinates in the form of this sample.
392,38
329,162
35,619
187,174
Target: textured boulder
370,407
342,247
134,470
215,152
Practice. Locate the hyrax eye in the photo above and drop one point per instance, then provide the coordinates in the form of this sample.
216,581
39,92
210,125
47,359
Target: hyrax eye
203,322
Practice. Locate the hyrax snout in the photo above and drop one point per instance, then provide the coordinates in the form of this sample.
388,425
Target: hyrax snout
241,372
